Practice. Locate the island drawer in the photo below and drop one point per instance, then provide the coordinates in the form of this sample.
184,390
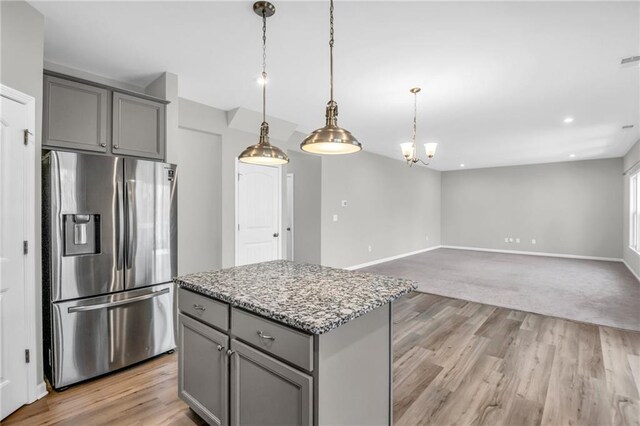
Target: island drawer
282,341
204,308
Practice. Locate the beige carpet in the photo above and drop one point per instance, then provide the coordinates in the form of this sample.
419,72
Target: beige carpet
597,292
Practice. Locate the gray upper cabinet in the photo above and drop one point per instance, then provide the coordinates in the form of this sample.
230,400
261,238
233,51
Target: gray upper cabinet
75,115
203,370
265,391
138,127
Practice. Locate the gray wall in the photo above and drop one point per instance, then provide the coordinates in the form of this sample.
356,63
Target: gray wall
390,207
630,164
199,202
21,47
572,208
307,170
203,118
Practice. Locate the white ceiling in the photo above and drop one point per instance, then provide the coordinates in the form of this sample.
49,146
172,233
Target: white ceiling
497,78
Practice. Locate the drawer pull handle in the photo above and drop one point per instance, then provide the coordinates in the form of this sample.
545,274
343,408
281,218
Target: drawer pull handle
265,336
199,307
220,348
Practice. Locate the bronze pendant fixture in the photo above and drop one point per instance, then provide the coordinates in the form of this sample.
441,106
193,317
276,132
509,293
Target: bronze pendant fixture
331,139
263,153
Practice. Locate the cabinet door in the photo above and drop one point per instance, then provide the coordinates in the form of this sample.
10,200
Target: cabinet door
265,391
75,115
203,380
138,127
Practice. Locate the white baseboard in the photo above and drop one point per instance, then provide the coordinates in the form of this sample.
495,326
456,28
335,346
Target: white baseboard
535,253
40,391
631,270
387,259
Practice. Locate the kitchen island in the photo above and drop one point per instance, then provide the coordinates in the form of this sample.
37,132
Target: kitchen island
287,343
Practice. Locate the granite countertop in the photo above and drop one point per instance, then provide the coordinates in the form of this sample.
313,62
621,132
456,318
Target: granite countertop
311,298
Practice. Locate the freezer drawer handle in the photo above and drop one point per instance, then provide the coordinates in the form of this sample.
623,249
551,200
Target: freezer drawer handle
118,302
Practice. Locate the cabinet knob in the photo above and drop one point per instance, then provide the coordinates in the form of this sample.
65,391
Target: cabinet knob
220,348
230,352
103,144
116,146
276,235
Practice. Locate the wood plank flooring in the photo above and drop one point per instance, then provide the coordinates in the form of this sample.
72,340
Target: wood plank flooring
455,362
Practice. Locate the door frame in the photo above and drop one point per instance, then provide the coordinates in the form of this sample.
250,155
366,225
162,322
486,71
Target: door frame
236,215
35,390
291,219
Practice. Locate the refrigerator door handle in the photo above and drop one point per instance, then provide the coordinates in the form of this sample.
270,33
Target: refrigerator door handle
131,236
117,302
119,226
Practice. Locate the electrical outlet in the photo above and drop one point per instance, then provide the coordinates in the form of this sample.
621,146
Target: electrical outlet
344,203
518,240
506,239
370,249
335,217
510,239
533,241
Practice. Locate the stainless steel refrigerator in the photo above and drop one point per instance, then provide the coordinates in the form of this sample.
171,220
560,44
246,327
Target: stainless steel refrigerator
109,257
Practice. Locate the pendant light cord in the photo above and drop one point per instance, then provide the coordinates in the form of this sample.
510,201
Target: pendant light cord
415,114
264,66
331,43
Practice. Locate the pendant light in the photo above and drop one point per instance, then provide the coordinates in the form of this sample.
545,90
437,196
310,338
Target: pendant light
331,139
263,153
409,148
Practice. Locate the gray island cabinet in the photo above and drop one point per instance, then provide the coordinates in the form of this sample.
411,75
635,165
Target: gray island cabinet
284,343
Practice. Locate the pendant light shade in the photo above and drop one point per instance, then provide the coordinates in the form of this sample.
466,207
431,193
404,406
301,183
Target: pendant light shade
263,153
430,149
331,139
407,150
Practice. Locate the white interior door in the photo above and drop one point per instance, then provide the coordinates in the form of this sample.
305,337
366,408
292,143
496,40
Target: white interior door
13,228
258,214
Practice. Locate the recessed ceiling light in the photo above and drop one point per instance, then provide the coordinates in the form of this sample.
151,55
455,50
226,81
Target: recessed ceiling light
568,120
461,164
572,155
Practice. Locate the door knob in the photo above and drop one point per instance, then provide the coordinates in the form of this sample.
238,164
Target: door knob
276,235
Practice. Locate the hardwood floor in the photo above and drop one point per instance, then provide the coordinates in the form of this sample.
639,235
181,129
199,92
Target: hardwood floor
455,362
464,363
